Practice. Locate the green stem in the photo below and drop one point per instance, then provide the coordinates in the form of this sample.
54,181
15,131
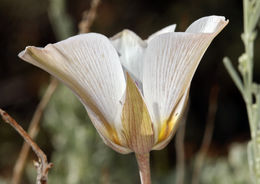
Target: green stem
143,161
248,89
234,75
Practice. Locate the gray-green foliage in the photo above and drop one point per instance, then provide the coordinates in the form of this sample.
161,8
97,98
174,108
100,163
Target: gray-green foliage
249,89
231,170
79,155
3,181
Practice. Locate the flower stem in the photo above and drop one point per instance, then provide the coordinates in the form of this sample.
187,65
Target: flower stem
143,161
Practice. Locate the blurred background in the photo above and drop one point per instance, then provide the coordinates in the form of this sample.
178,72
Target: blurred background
67,135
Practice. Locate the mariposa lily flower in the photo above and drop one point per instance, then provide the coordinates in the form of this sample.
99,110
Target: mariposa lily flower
134,90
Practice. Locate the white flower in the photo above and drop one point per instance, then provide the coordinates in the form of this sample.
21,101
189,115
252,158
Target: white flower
134,90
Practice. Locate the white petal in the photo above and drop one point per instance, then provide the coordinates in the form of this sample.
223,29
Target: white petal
170,63
210,24
167,29
90,66
131,49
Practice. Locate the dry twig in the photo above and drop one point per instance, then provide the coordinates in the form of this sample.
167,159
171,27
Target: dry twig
88,17
179,146
33,131
213,103
42,165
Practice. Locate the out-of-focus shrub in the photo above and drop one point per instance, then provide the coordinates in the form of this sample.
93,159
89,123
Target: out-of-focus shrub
231,170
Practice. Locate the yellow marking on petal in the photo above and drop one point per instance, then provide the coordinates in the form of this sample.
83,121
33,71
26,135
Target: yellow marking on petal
112,134
169,124
167,127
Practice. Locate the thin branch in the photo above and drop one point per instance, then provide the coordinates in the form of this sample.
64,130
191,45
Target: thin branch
180,152
234,75
213,103
42,165
88,17
33,131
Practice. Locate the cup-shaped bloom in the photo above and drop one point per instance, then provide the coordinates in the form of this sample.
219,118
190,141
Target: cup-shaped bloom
134,90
